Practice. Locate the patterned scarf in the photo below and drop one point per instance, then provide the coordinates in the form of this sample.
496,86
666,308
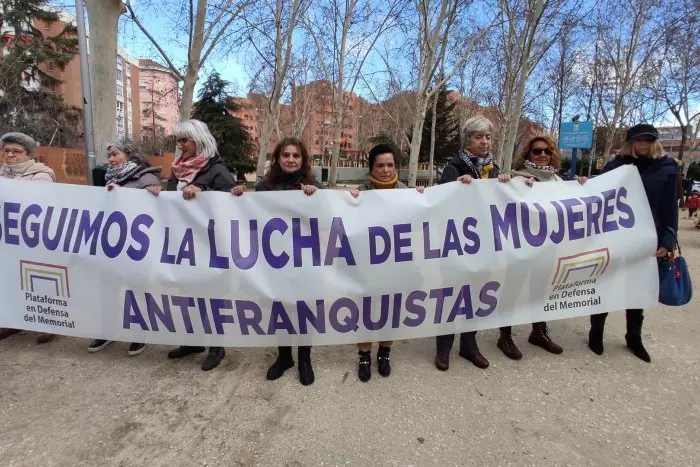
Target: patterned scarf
480,166
541,173
122,173
186,170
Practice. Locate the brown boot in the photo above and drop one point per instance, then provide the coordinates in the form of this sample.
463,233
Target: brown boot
469,350
507,346
7,332
43,338
540,337
442,363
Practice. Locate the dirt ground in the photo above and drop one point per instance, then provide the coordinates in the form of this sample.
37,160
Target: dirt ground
61,406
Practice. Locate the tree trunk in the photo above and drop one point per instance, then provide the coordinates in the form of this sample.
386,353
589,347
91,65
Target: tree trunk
418,122
103,19
432,139
262,151
335,154
193,64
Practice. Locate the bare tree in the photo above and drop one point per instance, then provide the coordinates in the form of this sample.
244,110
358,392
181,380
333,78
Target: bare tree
208,25
345,33
271,28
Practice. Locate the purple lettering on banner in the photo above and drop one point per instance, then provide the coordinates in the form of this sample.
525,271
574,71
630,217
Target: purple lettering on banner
274,225
396,311
429,253
11,223
306,316
473,241
415,308
626,222
608,210
312,241
375,233
367,313
217,305
31,240
557,236
400,243
245,321
51,243
594,208
165,256
573,217
462,305
119,219
279,320
333,250
88,231
140,237
162,314
184,303
503,225
451,240
69,231
187,249
132,313
202,305
485,296
350,322
541,235
439,295
244,262
215,261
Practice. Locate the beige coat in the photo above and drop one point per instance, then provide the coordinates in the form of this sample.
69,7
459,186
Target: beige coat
30,170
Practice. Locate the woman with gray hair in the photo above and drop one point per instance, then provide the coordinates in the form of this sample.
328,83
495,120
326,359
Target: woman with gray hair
199,167
473,161
128,168
19,164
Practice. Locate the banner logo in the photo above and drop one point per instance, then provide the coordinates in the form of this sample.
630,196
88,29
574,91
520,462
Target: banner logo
589,264
41,277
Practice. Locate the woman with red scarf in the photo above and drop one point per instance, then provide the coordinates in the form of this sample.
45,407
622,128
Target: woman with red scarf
199,167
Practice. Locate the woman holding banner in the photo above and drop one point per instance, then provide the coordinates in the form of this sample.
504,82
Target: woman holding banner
128,168
198,168
19,164
291,170
474,161
382,175
539,161
659,175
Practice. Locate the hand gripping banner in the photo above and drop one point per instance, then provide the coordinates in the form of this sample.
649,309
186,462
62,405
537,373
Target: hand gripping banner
284,268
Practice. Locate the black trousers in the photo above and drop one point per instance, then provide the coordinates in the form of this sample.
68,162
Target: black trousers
635,317
467,343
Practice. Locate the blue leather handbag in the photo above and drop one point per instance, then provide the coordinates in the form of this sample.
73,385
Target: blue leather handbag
675,287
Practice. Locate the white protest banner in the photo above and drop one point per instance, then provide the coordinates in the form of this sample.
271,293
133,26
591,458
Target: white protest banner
283,268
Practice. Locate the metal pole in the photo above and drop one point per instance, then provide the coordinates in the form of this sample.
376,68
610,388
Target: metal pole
88,128
574,153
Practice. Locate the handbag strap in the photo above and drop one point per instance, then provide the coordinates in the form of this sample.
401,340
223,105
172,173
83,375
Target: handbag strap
675,237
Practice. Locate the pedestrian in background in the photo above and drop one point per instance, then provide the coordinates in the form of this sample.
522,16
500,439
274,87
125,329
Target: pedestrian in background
19,151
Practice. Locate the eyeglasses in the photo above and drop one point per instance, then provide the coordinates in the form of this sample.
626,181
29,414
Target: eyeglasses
15,151
182,140
538,151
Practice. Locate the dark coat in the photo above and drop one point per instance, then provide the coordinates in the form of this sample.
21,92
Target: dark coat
456,168
659,177
146,177
214,176
285,182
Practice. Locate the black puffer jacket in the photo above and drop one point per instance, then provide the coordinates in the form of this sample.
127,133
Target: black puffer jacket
285,182
213,177
659,177
456,168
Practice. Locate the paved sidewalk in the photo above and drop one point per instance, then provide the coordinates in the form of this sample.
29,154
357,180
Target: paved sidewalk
61,406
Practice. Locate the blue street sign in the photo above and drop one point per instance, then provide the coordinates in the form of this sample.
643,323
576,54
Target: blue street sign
576,135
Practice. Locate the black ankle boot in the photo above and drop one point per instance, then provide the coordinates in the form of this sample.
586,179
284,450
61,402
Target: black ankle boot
283,363
383,365
306,371
595,335
634,335
214,357
364,367
507,346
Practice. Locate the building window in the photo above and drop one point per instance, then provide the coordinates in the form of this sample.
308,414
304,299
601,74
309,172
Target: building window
119,76
51,67
120,90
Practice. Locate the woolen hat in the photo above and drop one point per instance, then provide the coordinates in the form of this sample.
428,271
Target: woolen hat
643,129
23,140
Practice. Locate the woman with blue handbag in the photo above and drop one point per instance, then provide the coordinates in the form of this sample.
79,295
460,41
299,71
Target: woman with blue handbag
659,175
